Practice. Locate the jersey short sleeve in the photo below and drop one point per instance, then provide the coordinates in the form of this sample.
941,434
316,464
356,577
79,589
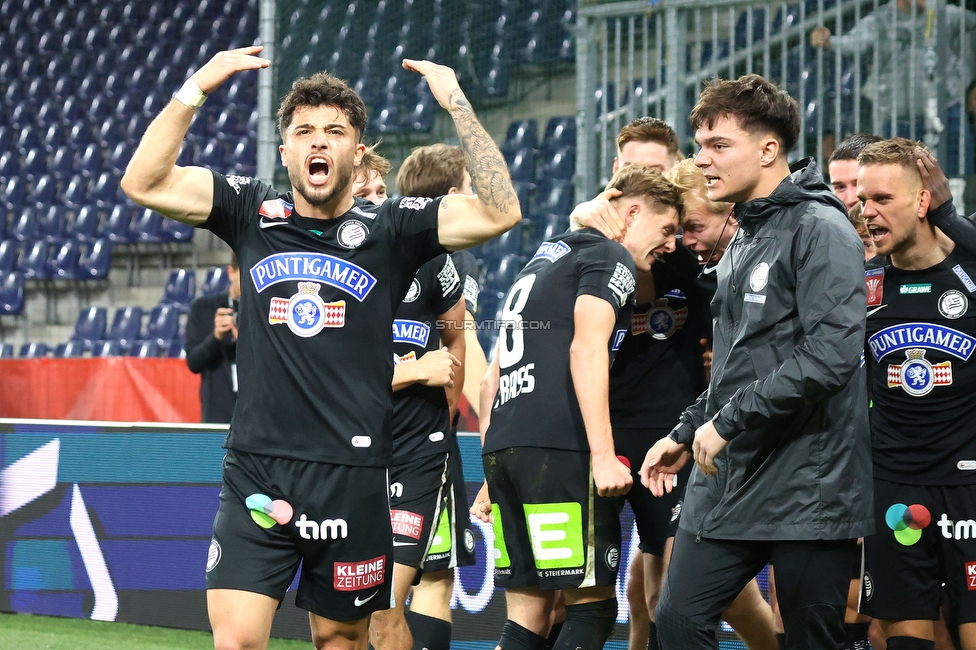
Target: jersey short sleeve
446,283
607,271
414,222
467,267
236,201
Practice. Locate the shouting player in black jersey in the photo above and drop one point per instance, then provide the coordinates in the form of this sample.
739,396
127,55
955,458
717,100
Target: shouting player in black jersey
921,335
780,438
305,476
549,454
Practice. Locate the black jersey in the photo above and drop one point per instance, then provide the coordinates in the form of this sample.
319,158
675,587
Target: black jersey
658,370
315,357
921,336
467,268
536,404
421,418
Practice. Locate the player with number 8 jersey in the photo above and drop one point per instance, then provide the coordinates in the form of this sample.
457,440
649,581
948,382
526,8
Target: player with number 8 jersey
549,459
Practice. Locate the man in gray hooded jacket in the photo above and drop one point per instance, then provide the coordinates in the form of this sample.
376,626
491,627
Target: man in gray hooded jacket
780,438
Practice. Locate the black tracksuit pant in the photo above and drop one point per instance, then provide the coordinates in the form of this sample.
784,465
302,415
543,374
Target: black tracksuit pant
705,576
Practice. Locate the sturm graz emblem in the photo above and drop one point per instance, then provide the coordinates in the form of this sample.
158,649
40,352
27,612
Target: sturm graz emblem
613,557
413,292
917,376
352,233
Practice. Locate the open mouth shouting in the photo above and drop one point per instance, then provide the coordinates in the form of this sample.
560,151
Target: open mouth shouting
319,170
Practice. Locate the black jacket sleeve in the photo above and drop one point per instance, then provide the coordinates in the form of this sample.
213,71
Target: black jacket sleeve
961,230
202,347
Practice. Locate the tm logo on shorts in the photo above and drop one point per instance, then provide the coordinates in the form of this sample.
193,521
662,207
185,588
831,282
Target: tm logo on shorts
266,513
907,522
556,533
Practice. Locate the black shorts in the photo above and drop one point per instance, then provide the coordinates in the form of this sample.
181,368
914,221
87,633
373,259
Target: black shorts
418,489
277,512
453,544
551,529
653,514
924,536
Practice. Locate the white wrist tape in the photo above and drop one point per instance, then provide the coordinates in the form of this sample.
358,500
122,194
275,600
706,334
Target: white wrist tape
190,94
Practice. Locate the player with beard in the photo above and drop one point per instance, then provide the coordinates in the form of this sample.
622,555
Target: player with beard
920,336
780,437
305,475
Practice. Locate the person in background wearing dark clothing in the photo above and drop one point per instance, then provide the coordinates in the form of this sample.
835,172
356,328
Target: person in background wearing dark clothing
780,438
211,347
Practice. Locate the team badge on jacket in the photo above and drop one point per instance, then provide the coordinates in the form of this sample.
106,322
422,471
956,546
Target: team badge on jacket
917,376
305,313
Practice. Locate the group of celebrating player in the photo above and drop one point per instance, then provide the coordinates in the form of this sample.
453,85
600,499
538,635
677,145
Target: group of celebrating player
753,347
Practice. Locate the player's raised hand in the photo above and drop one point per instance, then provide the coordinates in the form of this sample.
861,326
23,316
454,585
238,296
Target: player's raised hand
661,464
933,178
612,478
482,505
225,64
599,213
442,81
436,368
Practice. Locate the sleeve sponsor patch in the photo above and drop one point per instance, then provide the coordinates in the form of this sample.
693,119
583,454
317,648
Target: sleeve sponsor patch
622,283
415,202
448,277
237,182
551,250
471,291
966,280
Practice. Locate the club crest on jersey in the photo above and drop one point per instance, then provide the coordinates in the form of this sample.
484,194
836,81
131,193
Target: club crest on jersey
551,250
660,320
413,292
305,313
313,267
352,233
276,209
953,304
411,331
917,376
914,335
874,278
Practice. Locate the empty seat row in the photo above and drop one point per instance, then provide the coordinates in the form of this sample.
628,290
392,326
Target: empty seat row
74,349
124,224
61,260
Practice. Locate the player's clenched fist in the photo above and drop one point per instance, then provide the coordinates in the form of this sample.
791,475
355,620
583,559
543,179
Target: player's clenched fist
612,478
436,368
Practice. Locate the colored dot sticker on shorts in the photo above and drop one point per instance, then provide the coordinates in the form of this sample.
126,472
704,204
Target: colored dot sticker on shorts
624,460
907,522
266,513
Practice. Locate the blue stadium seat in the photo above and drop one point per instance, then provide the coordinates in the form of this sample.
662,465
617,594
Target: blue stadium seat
175,349
126,326
180,289
560,132
36,350
63,264
146,227
50,223
555,198
107,349
6,350
90,326
121,154
96,263
163,325
61,163
11,293
103,190
33,164
75,193
145,350
23,226
9,254
559,165
84,225
28,138
45,191
522,165
176,232
54,137
522,134
69,350
544,228
503,275
116,225
524,193
88,161
34,263
216,281
9,164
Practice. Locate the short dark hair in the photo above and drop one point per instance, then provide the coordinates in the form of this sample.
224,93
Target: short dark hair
852,146
758,104
650,129
431,171
322,89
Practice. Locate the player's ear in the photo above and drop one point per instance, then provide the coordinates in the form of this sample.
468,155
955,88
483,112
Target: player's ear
923,201
453,190
769,151
284,158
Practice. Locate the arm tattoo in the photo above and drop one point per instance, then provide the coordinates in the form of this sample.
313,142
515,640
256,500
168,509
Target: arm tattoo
485,163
